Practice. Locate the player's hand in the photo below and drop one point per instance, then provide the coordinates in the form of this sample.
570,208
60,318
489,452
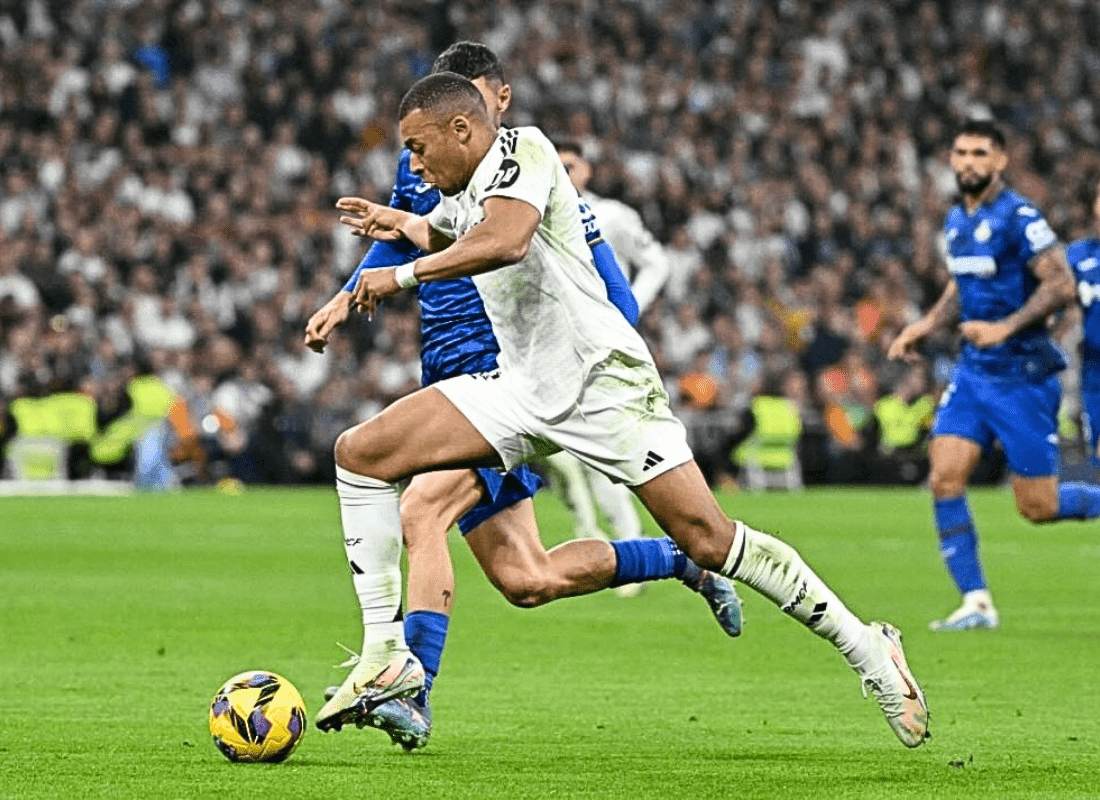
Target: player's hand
373,285
904,347
372,220
330,316
983,334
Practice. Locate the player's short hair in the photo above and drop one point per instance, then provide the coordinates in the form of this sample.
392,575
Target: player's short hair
443,93
470,60
983,127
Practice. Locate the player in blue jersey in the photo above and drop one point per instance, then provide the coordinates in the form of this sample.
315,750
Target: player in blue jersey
1084,259
1008,275
492,508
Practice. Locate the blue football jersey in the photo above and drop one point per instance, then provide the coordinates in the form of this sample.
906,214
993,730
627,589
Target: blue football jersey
1084,259
988,255
455,334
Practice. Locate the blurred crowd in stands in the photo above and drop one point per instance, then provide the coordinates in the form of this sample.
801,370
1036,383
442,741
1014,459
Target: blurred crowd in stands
169,169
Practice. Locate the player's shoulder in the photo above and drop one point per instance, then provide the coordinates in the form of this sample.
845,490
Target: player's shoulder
1011,202
528,139
405,175
610,206
1083,254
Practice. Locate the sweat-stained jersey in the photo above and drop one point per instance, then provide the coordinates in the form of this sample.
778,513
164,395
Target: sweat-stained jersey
550,311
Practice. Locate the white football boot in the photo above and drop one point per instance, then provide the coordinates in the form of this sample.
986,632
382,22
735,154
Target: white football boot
976,611
387,674
886,674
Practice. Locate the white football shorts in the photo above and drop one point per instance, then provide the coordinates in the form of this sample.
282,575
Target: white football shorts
621,425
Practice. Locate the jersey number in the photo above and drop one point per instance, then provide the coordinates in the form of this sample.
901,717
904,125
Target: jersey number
505,177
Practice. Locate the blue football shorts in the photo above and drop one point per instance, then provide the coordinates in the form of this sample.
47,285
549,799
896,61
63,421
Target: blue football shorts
1022,415
502,489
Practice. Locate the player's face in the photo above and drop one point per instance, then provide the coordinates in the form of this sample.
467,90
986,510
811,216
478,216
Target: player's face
497,97
976,160
436,151
576,168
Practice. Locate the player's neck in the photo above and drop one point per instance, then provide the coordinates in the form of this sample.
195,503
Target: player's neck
972,202
481,142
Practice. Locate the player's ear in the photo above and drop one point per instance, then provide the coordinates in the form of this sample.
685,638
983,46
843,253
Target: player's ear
504,97
1000,159
460,127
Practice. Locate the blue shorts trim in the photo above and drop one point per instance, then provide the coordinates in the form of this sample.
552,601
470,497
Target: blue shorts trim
1021,415
502,490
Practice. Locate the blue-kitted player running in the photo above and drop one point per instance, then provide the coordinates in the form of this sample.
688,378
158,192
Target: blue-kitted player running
1084,259
493,509
1008,275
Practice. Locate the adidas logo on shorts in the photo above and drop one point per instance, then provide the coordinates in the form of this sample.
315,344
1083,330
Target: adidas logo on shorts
651,460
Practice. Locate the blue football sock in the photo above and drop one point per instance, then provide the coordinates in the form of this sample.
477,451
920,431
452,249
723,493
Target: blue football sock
1078,501
959,543
638,560
426,633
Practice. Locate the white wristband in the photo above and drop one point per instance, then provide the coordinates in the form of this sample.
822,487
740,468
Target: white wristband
404,276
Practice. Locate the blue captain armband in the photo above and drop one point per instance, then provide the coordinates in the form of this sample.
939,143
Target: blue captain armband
618,290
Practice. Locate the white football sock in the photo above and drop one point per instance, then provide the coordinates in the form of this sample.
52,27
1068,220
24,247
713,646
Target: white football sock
777,571
371,518
577,497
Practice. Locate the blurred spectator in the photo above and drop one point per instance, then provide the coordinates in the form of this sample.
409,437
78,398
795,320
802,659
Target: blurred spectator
169,170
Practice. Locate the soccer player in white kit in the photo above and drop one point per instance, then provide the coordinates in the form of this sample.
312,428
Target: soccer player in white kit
573,376
646,266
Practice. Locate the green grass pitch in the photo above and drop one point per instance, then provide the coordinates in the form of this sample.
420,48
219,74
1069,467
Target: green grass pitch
120,617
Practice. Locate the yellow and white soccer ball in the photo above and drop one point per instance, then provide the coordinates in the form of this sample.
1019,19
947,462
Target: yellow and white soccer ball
257,716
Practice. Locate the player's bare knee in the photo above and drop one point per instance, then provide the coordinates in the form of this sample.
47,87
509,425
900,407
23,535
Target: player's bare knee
706,541
350,454
944,484
525,590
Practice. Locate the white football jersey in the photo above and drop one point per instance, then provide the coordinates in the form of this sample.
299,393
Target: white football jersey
549,311
641,256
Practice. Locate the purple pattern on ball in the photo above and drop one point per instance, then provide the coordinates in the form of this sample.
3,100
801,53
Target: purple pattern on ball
259,723
294,725
220,706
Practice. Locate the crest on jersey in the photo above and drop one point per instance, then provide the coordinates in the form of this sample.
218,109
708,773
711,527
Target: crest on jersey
507,174
983,232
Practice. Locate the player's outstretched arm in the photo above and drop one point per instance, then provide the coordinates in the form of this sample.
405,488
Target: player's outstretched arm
943,313
502,238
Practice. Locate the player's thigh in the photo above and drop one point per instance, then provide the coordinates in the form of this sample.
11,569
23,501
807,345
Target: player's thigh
421,432
683,505
509,550
434,501
951,460
1024,418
